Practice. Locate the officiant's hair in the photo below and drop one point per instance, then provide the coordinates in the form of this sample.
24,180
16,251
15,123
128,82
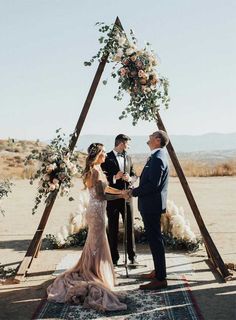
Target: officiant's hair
121,138
163,136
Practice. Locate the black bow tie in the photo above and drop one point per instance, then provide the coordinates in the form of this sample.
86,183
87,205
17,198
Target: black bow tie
119,154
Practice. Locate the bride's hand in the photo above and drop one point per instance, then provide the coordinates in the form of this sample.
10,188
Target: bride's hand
125,194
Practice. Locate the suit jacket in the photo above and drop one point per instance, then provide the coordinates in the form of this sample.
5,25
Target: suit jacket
111,167
152,189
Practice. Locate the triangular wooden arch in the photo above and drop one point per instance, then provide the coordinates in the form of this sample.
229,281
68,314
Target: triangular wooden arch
34,247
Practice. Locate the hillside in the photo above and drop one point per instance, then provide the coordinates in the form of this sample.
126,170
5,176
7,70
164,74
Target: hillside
201,163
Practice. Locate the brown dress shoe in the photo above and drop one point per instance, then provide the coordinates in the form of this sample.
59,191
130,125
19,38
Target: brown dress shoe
148,276
154,285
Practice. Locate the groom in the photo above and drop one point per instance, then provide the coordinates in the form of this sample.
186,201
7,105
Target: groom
152,197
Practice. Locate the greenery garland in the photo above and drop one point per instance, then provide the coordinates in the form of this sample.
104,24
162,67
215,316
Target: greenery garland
136,72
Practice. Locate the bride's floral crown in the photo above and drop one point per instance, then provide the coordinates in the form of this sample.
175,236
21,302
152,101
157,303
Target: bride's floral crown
93,149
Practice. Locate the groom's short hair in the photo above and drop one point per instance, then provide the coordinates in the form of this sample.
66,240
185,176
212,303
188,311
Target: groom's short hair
121,138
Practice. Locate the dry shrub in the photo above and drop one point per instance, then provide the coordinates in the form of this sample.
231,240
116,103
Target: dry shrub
12,163
138,167
202,169
225,169
28,172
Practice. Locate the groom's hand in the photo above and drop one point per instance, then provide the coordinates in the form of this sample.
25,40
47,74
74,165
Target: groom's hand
130,193
125,194
119,175
126,177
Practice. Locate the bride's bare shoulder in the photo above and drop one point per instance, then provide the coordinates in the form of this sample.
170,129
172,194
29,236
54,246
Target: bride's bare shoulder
92,178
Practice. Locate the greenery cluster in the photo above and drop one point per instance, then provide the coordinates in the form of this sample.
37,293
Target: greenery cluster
135,70
5,189
57,167
78,239
170,241
7,272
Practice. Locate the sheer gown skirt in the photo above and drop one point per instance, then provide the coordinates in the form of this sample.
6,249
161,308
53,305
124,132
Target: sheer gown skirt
90,281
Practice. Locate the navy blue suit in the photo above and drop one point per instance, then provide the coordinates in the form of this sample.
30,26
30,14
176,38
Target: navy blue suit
152,197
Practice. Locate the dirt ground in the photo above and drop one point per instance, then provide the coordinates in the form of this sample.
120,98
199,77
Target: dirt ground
215,198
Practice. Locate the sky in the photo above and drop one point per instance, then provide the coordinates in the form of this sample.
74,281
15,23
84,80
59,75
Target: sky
43,82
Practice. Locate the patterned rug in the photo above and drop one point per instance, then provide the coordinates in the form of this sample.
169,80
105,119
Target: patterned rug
173,303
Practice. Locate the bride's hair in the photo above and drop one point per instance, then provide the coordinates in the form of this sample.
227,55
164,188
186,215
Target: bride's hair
93,152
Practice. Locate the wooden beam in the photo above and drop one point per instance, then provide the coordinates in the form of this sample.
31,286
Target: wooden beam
34,246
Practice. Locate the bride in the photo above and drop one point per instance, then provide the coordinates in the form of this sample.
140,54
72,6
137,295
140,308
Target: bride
91,280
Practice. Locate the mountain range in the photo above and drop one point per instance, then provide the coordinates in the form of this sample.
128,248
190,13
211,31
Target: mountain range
213,143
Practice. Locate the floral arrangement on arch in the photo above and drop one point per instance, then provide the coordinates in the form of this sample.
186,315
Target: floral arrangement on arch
136,72
57,167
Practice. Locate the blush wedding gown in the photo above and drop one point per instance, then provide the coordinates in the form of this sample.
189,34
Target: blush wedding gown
91,280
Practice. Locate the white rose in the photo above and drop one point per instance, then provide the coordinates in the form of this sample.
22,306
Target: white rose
119,52
134,47
74,171
52,158
118,55
64,191
122,41
129,51
69,165
46,177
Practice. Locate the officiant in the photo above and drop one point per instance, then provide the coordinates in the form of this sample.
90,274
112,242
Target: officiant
120,173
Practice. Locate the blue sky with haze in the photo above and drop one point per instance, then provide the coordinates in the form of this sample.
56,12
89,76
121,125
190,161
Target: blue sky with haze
44,83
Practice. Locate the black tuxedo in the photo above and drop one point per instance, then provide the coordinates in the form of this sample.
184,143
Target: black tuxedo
116,207
152,197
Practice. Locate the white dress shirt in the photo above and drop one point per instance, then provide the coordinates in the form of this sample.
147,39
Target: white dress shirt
154,150
121,162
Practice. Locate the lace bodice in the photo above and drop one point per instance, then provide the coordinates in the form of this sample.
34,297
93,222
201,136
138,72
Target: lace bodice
93,192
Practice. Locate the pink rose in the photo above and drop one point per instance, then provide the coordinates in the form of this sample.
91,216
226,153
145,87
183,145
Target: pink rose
138,64
143,80
142,74
122,72
133,73
125,62
52,187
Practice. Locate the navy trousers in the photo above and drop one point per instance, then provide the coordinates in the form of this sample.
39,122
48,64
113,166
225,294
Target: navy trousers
152,225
